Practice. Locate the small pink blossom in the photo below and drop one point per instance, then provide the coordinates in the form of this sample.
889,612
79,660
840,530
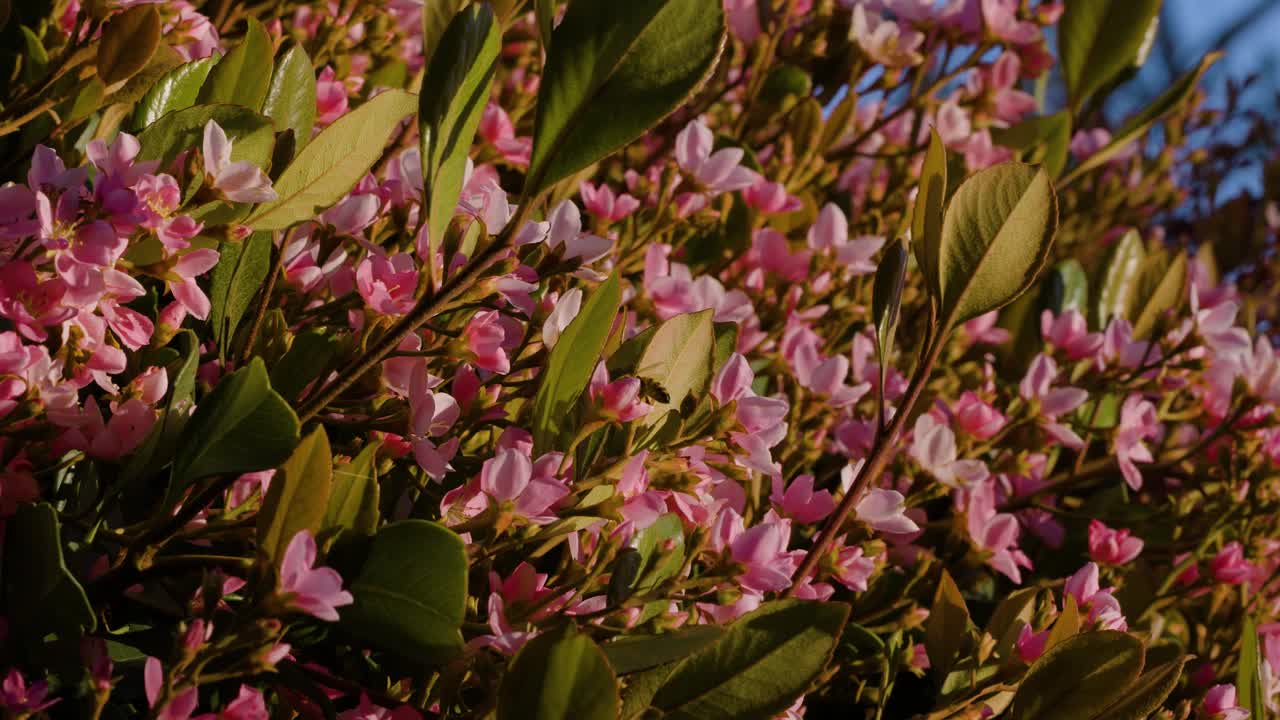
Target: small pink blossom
315,591
240,181
1220,704
1070,332
717,172
485,335
21,699
976,417
1138,421
799,501
388,283
1230,565
885,511
1112,546
617,401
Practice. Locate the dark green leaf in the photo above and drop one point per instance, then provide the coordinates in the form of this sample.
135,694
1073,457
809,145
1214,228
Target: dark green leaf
572,361
411,594
251,134
1013,613
298,496
455,91
546,15
886,300
177,90
1147,694
353,503
242,76
1079,678
613,71
1042,140
629,654
40,593
947,629
306,361
129,39
436,16
1099,39
559,675
331,164
234,283
158,449
661,547
761,665
926,218
242,426
1249,692
291,95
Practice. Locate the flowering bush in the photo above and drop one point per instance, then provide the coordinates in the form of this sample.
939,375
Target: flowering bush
785,358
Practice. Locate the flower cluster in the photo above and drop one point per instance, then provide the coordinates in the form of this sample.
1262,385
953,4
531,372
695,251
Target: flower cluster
374,360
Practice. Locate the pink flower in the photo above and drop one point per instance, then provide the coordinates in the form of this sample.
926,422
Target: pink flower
852,568
604,204
933,446
20,699
564,229
1070,332
771,197
485,336
995,532
239,181
1112,546
1220,704
566,309
1231,567
617,401
799,502
982,330
830,233
510,477
129,425
179,706
315,591
717,172
1031,644
977,417
388,283
885,41
885,511
762,550
331,98
733,380
744,19
1001,18
30,303
1104,610
1037,387
432,414
1137,422
248,705
182,280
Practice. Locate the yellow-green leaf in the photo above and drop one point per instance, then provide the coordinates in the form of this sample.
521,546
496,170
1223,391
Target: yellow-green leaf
559,675
926,218
298,496
947,629
242,76
1080,677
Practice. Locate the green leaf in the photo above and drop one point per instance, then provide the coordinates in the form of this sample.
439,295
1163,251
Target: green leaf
1042,140
1162,286
1249,671
251,134
243,75
436,16
661,547
1119,279
947,629
1099,39
1134,127
306,361
298,495
129,39
411,593
559,675
678,358
331,164
41,595
455,91
545,11
996,237
886,300
632,653
613,71
157,450
242,267
1013,613
177,90
1147,694
571,363
926,217
640,689
1066,626
242,426
1079,678
1066,288
291,95
353,502
761,665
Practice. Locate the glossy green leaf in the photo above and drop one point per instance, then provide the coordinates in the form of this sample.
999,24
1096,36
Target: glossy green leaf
1042,140
306,362
40,593
298,495
1066,287
242,426
886,300
613,71
251,134
678,359
996,236
640,689
1119,278
946,631
633,653
455,91
291,95
761,665
1134,127
570,365
926,217
1147,694
1162,286
242,76
436,16
334,161
661,547
234,283
1079,678
559,675
1099,39
353,502
177,90
411,593
1249,688
129,39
